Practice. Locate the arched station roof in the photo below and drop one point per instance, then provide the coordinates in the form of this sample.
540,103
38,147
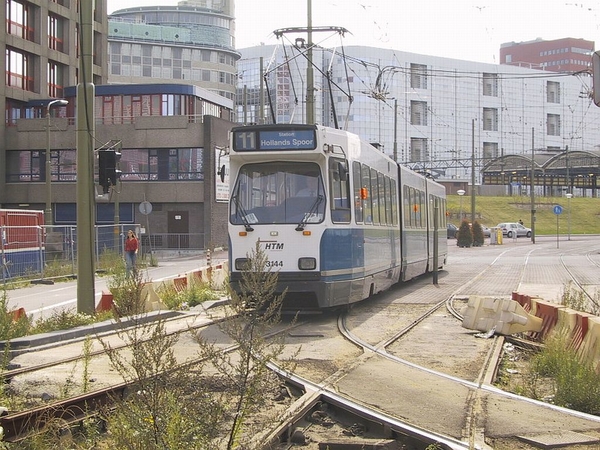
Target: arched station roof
582,168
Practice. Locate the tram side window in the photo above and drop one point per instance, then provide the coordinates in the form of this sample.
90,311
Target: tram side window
375,195
419,204
367,203
383,200
358,202
340,198
406,206
394,202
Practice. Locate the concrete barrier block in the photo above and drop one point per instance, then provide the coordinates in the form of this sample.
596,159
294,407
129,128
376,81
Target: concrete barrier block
152,301
504,315
590,347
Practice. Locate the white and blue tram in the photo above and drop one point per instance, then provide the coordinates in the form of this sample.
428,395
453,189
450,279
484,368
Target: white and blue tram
338,220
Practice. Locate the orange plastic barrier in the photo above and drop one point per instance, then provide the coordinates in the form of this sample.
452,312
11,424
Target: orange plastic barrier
548,312
17,314
180,283
106,302
581,328
523,300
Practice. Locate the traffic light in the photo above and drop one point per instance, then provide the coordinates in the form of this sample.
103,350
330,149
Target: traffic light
108,171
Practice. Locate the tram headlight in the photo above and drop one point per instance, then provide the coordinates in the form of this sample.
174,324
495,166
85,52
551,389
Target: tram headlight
242,264
307,263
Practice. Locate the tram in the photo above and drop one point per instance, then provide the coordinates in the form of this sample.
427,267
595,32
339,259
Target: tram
338,220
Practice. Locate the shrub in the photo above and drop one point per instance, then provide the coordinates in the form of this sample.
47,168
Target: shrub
478,237
465,236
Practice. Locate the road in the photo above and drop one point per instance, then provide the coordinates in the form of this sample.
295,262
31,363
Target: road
41,300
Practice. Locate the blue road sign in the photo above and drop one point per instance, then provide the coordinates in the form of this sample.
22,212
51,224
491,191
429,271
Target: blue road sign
558,210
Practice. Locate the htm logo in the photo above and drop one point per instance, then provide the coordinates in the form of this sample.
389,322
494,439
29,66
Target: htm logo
273,245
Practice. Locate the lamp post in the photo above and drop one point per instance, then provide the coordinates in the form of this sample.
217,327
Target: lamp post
48,211
569,195
460,193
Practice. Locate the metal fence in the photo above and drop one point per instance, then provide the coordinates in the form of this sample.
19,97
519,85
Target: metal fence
48,251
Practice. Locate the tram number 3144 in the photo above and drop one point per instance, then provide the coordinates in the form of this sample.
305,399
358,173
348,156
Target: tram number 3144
274,264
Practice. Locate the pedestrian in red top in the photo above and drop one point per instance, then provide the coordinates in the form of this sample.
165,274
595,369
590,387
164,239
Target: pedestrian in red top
131,249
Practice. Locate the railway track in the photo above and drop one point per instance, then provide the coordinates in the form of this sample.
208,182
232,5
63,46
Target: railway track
353,365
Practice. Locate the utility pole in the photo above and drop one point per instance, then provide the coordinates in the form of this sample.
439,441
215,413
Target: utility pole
86,198
472,172
310,82
532,186
396,130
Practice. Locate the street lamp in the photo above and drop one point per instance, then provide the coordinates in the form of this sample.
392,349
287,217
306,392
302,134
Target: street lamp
48,211
569,195
460,193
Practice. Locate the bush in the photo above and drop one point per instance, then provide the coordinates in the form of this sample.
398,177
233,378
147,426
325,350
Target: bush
478,237
465,236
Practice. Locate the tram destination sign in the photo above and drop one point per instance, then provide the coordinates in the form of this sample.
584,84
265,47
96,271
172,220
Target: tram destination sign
265,140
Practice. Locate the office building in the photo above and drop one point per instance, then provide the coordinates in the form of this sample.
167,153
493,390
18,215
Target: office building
558,55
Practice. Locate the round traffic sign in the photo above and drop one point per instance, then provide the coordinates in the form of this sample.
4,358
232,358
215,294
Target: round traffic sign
145,207
558,209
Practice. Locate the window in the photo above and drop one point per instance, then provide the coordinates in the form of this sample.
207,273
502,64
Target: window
553,125
490,119
490,150
490,84
418,113
19,20
358,201
418,76
553,92
18,69
55,33
179,164
339,194
367,202
56,75
418,150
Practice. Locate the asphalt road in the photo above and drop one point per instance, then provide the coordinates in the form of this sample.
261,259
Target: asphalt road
40,300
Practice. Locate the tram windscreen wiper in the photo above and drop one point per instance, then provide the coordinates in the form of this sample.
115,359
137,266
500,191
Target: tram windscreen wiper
309,214
242,213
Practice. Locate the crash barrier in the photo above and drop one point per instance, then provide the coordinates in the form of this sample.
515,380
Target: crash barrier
216,275
582,329
537,318
502,315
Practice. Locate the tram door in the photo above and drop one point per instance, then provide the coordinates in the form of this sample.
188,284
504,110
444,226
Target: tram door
178,227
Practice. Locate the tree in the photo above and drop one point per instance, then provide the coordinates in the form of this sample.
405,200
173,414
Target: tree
465,236
478,237
253,312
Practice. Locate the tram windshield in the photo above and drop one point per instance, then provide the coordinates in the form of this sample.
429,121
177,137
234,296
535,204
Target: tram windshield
278,192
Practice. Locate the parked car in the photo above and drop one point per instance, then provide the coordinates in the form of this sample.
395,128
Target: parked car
511,229
452,230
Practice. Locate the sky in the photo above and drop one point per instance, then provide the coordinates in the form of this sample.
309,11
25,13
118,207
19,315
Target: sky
471,30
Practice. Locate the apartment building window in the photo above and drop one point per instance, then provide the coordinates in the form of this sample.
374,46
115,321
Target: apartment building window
19,20
418,150
553,92
418,76
56,77
553,125
490,84
418,113
490,119
490,150
56,33
19,67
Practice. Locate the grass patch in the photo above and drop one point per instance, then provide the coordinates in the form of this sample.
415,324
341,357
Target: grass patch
492,210
195,293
